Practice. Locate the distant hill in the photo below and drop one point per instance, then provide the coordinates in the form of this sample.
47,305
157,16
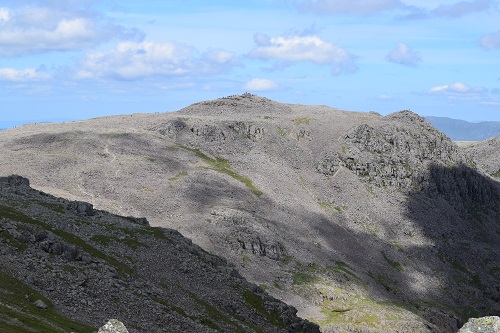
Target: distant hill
461,130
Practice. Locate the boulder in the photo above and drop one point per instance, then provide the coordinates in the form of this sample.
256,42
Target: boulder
482,325
40,304
113,326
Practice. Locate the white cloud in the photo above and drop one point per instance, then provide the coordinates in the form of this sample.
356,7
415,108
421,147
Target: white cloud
304,48
134,61
461,91
353,7
23,75
4,15
261,85
404,55
32,30
491,41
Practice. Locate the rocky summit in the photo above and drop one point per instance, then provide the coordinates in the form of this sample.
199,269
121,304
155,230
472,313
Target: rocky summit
364,223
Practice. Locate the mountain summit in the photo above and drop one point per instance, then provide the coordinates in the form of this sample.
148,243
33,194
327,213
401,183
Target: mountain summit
364,223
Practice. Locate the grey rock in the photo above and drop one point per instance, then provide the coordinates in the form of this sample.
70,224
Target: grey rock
482,325
18,180
40,304
113,326
81,208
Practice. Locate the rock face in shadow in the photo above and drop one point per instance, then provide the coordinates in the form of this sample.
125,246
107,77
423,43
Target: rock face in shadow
363,223
84,265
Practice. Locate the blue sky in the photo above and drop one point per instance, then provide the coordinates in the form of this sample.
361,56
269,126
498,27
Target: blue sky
77,59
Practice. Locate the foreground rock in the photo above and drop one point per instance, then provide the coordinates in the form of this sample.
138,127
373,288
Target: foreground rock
482,325
113,326
66,266
363,223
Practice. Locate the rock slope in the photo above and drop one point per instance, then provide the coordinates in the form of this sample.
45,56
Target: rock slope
63,259
487,156
363,223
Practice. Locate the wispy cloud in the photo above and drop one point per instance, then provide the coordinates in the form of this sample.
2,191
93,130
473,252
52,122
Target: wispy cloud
491,41
455,10
261,85
134,61
292,49
352,7
404,55
23,75
33,30
370,7
462,8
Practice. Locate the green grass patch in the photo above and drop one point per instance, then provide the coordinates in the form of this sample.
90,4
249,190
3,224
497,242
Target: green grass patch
302,121
106,240
102,239
324,205
394,264
340,209
7,238
257,302
302,278
52,206
343,268
223,166
282,132
215,314
178,176
171,307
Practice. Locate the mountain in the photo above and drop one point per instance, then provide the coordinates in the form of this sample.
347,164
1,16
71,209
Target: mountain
460,130
68,267
364,223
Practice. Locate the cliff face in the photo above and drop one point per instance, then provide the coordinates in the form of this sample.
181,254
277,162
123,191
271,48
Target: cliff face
63,259
364,223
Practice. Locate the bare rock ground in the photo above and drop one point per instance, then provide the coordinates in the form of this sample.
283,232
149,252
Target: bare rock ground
364,223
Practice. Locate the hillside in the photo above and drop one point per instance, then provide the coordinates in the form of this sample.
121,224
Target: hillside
68,267
461,130
364,223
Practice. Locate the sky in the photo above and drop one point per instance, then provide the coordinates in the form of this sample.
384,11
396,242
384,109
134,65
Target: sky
78,59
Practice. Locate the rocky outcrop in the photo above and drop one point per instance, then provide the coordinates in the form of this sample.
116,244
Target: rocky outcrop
482,325
80,208
396,154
